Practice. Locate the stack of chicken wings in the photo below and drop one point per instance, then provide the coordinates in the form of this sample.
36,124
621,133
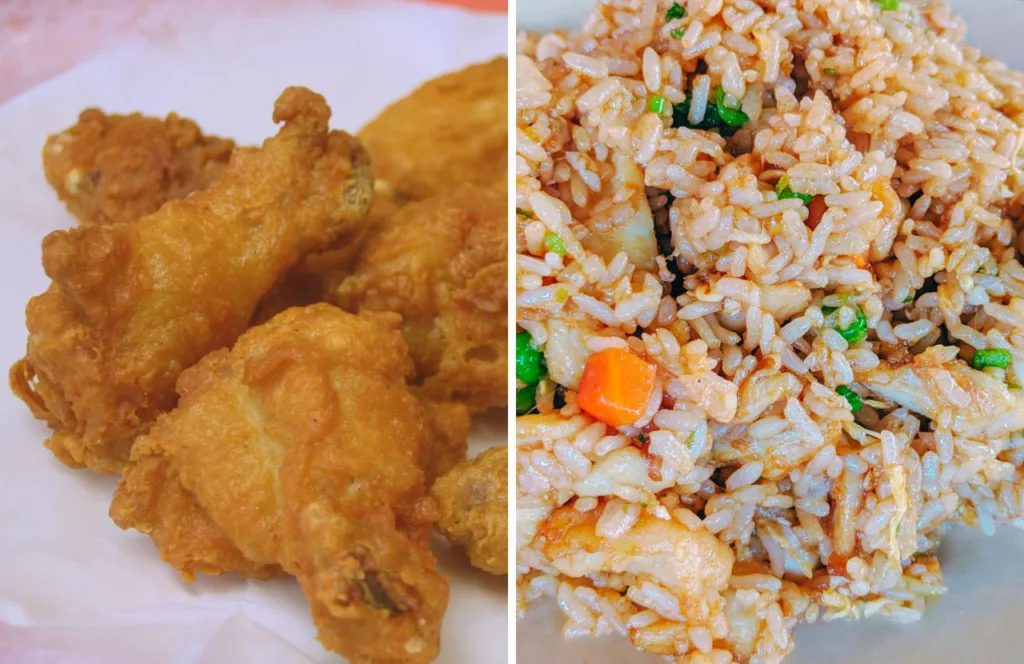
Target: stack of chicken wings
279,353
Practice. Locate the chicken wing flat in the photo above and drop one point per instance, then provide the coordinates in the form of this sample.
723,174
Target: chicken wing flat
301,450
119,168
473,503
133,305
453,128
442,265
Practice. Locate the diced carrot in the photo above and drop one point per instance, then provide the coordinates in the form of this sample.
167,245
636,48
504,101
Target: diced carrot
616,386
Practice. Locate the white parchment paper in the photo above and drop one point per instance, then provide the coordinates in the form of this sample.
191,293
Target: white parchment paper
74,587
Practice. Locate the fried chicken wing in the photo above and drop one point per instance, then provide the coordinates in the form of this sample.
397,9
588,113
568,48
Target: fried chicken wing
300,450
442,265
473,502
449,431
119,168
133,305
451,129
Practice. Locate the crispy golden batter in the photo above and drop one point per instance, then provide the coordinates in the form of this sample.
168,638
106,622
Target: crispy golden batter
449,425
442,265
452,129
300,450
133,305
119,168
473,501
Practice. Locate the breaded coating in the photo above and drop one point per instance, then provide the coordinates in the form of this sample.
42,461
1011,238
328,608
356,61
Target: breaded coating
442,265
452,129
473,501
449,425
300,450
133,305
119,168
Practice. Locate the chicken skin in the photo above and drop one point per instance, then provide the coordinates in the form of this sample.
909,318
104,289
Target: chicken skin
131,306
451,129
442,265
112,169
301,450
473,503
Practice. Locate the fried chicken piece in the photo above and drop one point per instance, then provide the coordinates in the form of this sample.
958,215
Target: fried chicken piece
449,425
453,128
119,168
300,450
133,305
473,501
442,265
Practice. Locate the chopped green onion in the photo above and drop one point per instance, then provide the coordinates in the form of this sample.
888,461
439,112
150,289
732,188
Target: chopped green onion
733,118
530,364
783,191
726,120
725,100
552,242
991,357
642,438
681,114
675,11
526,399
851,397
908,299
841,298
828,71
856,332
657,104
524,213
677,33
888,5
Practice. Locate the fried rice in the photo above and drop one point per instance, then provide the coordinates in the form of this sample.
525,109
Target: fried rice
803,215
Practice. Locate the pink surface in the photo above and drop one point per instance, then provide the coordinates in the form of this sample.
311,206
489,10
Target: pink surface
42,38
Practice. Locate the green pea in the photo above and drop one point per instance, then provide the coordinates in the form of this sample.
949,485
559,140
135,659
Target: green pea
530,365
992,357
526,399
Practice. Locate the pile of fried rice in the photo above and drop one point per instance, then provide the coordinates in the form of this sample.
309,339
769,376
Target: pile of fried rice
770,309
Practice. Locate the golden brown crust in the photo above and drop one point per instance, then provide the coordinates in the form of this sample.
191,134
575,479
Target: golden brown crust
132,305
473,503
300,449
112,169
452,129
442,265
449,425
